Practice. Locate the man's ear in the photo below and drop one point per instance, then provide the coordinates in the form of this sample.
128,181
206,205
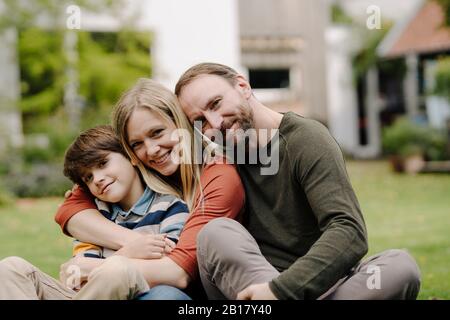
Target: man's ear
244,86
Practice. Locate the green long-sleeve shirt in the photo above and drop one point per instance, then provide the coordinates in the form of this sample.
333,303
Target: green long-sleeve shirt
305,218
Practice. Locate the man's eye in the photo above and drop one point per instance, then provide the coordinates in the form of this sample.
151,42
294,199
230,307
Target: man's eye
215,104
157,132
88,178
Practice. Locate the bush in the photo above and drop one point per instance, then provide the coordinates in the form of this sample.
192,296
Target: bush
39,180
46,139
405,138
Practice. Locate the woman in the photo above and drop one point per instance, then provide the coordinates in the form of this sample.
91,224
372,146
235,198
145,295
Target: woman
148,120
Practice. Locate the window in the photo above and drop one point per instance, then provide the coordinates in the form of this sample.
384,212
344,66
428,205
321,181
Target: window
269,78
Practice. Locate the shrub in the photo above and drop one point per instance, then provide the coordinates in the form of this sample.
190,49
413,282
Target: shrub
38,180
405,138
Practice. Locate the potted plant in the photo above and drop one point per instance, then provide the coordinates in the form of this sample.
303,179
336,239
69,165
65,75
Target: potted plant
409,145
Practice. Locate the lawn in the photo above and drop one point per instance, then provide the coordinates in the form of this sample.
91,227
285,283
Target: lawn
28,230
401,211
411,212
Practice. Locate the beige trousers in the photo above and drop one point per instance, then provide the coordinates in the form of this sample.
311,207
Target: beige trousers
115,279
229,260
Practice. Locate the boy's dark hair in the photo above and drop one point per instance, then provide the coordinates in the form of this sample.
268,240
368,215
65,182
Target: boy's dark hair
88,150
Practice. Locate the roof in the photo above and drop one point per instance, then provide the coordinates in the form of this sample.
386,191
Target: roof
422,32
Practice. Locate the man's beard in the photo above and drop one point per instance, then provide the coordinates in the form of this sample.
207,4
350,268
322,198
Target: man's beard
245,123
244,120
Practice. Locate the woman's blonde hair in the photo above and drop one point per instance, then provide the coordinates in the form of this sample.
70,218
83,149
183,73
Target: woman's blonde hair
149,94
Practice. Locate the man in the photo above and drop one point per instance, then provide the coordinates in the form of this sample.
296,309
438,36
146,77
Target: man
305,235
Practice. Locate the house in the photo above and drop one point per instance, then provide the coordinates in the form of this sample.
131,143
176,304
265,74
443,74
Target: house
417,41
283,50
397,84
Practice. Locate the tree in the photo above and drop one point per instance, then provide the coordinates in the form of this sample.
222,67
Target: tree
15,18
105,64
445,4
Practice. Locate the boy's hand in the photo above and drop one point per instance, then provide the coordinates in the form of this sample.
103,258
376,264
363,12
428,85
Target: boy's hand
75,272
144,247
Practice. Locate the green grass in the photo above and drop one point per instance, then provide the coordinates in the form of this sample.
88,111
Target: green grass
28,230
401,211
411,212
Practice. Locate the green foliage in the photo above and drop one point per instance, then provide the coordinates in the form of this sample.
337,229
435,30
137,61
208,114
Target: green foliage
367,57
54,128
407,138
442,84
445,4
338,15
104,74
42,79
110,63
24,14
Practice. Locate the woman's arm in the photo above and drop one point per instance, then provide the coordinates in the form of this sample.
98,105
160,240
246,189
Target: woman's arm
163,271
91,226
160,271
78,217
223,196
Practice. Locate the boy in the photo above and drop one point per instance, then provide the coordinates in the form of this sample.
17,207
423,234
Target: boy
97,163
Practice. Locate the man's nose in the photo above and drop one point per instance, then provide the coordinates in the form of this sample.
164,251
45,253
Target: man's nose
215,120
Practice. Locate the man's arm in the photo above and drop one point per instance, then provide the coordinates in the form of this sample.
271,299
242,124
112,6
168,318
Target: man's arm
320,170
163,271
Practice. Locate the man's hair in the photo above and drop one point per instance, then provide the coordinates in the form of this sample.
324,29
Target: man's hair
206,68
88,150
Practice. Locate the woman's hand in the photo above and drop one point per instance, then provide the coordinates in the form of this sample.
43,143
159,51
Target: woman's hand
170,245
68,193
147,247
